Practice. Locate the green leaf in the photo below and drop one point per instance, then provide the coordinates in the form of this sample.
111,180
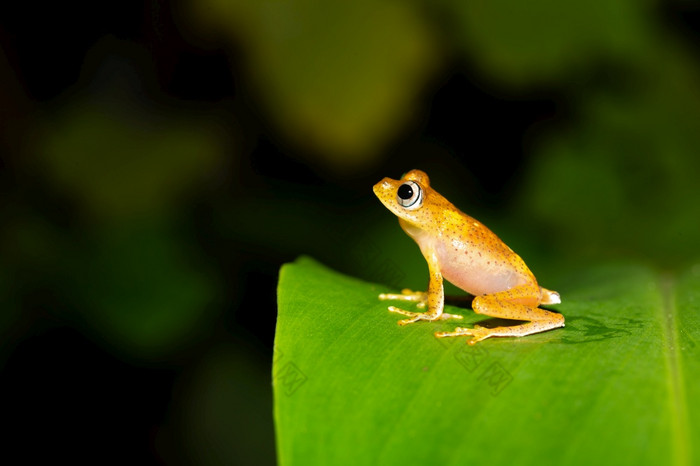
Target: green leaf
615,386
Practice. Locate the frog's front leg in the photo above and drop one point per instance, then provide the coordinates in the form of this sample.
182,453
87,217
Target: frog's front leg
435,298
418,297
519,303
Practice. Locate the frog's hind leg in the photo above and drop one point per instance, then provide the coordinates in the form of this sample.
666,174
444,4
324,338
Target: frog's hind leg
517,304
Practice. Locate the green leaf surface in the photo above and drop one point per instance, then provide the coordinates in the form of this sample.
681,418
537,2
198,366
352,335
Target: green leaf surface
617,385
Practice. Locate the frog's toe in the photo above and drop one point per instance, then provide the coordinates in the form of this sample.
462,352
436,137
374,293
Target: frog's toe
406,295
407,321
414,316
457,332
478,333
401,311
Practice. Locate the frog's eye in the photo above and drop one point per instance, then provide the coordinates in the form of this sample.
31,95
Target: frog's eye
409,195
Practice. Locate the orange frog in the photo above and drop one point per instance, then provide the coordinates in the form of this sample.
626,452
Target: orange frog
465,252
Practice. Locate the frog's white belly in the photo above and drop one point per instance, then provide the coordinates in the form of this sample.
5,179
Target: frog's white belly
476,272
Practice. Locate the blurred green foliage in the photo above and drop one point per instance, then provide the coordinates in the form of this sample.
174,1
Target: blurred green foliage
615,176
520,44
136,290
116,159
127,167
222,413
623,179
339,78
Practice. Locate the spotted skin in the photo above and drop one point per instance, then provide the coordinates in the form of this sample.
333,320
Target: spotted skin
462,250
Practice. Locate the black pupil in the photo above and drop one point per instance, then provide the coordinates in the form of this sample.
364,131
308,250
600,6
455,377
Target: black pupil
405,192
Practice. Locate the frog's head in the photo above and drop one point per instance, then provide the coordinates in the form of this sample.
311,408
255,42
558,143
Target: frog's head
406,196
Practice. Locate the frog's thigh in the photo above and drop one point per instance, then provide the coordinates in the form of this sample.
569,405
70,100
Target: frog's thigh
495,307
507,305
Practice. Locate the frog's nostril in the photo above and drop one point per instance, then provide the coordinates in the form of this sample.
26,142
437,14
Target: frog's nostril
382,186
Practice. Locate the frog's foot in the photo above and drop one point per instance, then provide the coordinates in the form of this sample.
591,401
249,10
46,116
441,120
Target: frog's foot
482,333
407,295
416,316
479,333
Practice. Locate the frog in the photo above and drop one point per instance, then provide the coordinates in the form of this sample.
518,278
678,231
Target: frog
463,251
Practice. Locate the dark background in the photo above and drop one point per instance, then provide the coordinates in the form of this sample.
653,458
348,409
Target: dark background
160,161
